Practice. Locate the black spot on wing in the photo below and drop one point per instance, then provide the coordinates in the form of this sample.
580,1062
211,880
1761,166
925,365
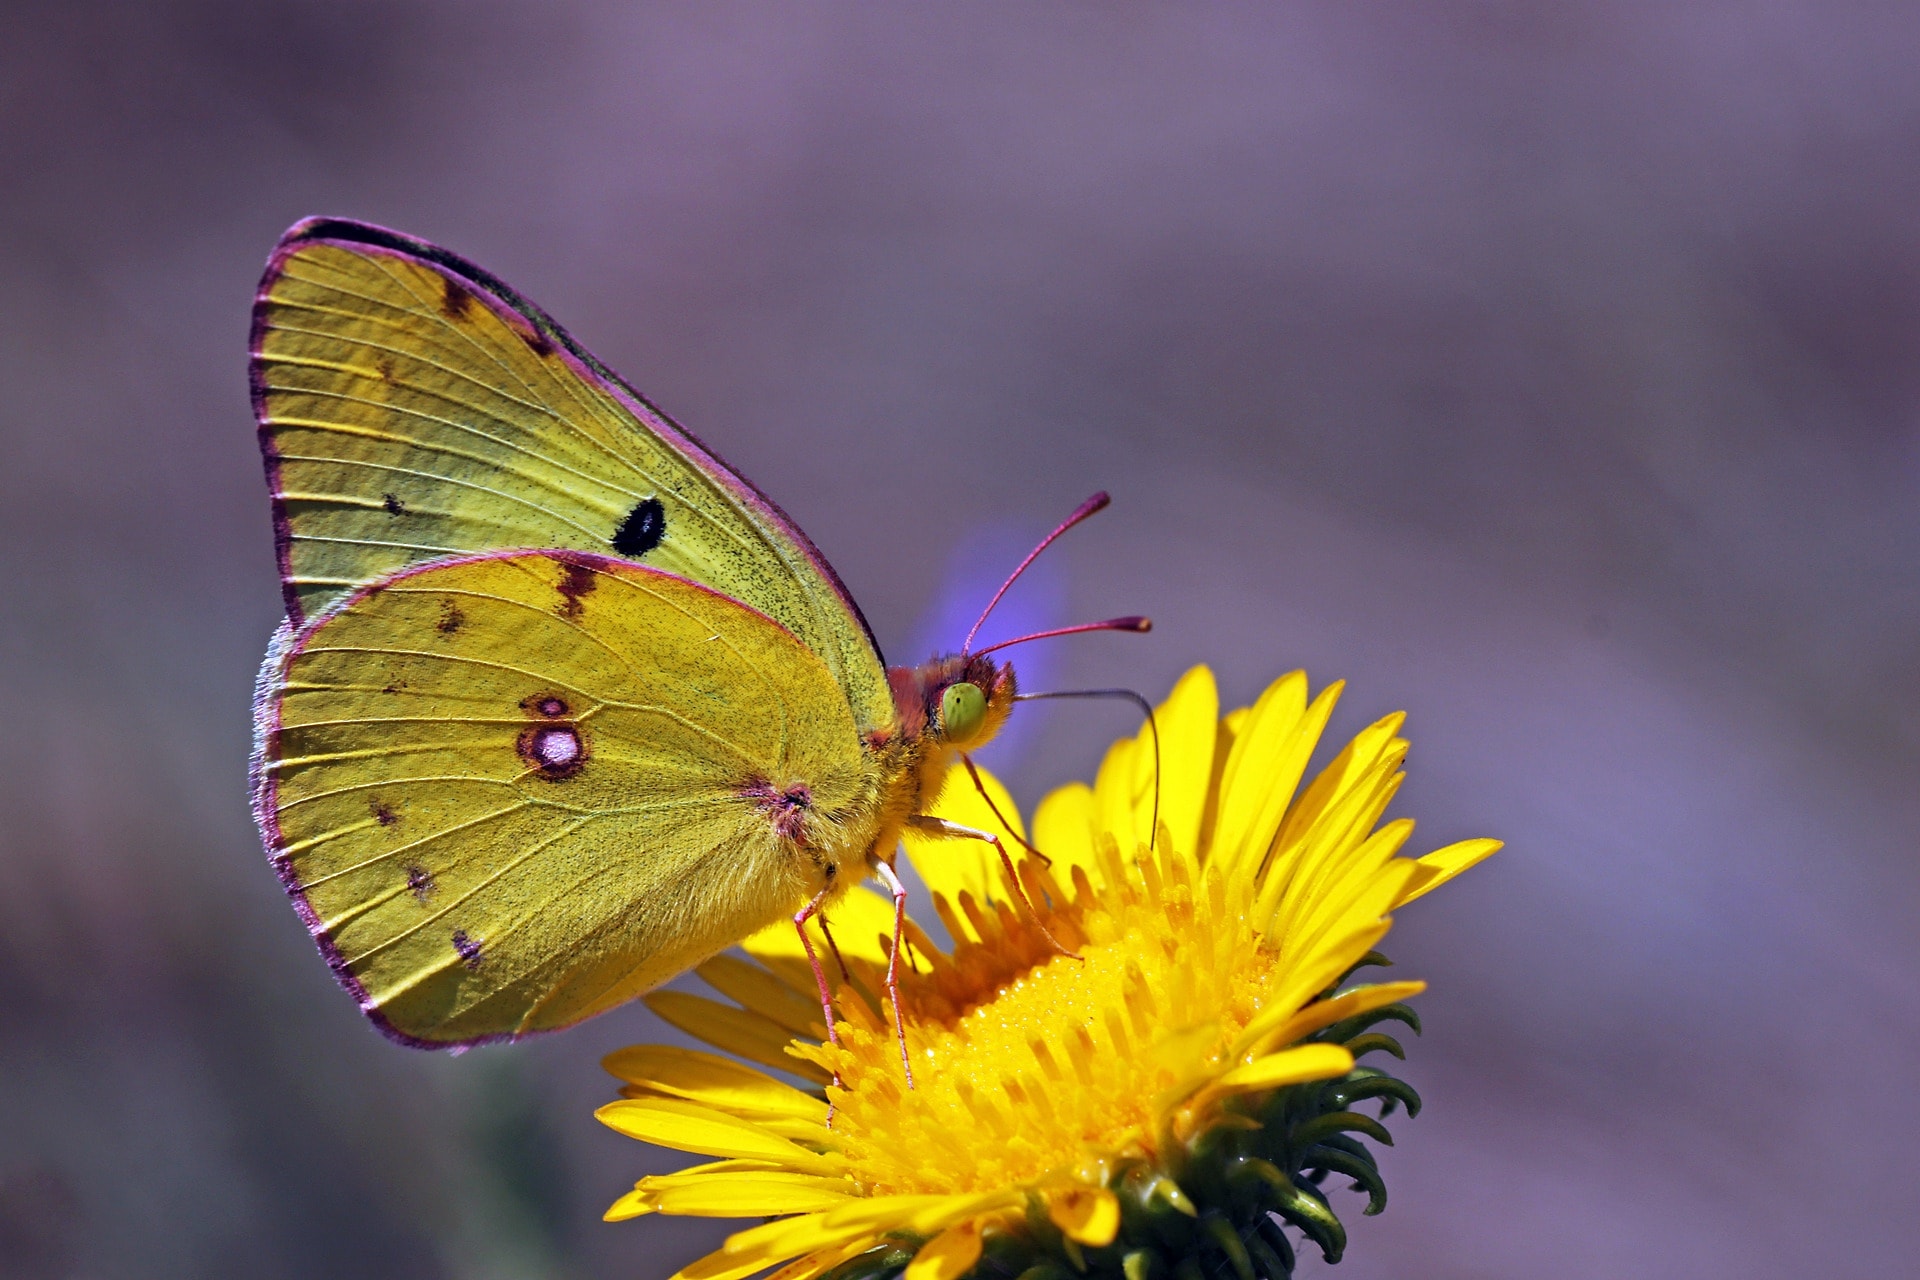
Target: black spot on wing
394,506
642,530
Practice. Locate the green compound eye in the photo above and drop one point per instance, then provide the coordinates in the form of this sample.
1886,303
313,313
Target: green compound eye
962,708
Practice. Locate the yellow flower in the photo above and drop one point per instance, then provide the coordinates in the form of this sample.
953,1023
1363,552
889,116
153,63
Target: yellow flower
1139,1107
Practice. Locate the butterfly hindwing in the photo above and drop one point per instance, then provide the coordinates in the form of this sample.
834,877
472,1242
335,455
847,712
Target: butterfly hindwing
512,790
412,407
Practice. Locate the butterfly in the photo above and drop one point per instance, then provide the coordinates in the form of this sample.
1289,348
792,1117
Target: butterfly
562,705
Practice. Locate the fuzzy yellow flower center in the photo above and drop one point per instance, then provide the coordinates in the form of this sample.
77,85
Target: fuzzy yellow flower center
1028,1062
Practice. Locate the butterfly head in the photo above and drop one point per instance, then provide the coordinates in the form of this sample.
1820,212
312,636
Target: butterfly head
958,701
974,703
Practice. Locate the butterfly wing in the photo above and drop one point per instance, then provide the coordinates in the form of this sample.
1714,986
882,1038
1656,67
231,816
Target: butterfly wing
412,406
513,790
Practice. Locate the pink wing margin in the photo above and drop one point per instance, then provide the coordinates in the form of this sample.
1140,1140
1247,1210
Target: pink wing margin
263,788
366,238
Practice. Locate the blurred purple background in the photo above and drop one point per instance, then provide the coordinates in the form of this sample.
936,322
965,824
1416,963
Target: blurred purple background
1547,371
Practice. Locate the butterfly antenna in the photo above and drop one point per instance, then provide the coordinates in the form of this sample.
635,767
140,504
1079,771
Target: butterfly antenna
1153,729
1129,623
1092,505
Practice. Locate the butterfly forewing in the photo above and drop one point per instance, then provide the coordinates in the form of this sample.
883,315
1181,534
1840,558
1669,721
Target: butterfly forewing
413,407
513,790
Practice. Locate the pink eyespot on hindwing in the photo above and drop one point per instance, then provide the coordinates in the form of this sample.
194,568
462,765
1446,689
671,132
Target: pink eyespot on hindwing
550,705
555,751
556,748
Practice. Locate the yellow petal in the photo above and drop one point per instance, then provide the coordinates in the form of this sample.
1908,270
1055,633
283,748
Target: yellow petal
1063,830
707,1078
1352,906
783,1238
1339,851
1258,732
940,1212
758,990
1443,865
1187,722
723,1265
748,1251
886,1211
759,1170
1290,1066
777,939
1179,1051
718,1266
1314,973
862,921
1301,857
1266,766
746,1196
1126,789
1285,698
634,1204
948,1255
960,801
1116,788
1348,769
1225,734
687,1126
739,1031
819,1262
1325,1013
1089,1215
862,924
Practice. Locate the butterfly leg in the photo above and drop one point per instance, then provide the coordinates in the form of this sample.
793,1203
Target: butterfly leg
952,830
834,947
981,787
800,919
899,891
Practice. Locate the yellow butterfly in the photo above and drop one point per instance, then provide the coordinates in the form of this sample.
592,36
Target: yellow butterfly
562,705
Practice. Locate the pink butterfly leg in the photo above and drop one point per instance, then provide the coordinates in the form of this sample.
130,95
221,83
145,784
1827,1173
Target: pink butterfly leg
981,787
826,931
800,919
899,891
954,831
